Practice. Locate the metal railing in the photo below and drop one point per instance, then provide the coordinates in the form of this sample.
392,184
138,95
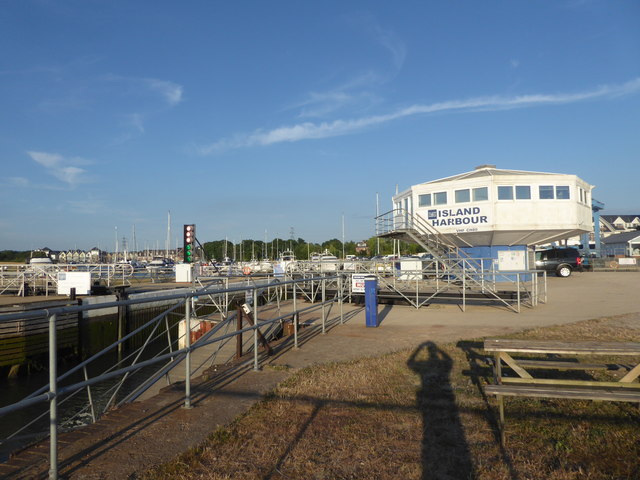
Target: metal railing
151,361
42,279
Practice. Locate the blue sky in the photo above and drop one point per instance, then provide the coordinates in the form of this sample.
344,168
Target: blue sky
252,118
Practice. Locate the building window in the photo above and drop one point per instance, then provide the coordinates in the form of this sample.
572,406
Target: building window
480,194
562,192
523,192
505,192
424,200
440,198
463,196
546,192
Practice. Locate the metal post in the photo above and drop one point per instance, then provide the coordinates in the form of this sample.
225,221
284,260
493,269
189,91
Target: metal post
295,318
53,399
89,396
256,365
518,288
324,316
187,379
464,289
226,298
340,296
493,268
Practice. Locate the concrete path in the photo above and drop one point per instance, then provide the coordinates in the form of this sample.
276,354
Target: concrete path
146,433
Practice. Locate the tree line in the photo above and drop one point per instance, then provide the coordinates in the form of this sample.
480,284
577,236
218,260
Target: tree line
248,250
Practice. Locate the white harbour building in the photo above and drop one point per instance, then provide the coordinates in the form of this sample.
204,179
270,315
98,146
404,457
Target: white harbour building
489,210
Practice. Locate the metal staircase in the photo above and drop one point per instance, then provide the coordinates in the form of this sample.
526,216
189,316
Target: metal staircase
445,248
402,225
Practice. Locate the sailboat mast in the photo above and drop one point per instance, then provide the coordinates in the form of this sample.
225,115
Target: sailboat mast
168,242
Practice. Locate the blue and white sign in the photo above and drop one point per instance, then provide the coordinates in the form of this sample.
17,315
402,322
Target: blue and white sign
456,217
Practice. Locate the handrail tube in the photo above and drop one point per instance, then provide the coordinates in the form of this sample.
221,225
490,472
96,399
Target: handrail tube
75,309
115,373
106,349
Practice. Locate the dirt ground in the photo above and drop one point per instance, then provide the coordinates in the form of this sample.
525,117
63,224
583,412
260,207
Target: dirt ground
139,435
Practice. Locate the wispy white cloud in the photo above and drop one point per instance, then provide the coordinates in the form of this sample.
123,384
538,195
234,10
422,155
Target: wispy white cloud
359,91
322,104
64,169
383,36
311,130
171,92
391,42
135,121
48,160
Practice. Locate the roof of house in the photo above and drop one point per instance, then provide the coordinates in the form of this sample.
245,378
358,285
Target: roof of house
487,171
625,218
625,237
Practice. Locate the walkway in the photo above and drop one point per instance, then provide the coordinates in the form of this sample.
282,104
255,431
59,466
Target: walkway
142,434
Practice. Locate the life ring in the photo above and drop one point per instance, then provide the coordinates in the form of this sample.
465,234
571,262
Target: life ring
614,264
246,270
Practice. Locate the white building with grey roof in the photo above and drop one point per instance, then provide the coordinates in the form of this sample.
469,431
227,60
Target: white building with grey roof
494,207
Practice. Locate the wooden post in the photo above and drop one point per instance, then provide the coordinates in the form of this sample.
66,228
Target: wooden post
239,335
501,409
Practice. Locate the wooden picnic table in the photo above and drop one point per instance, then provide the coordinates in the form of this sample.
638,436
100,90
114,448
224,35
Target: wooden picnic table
624,389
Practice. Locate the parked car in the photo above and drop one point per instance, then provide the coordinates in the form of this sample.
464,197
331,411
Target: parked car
561,261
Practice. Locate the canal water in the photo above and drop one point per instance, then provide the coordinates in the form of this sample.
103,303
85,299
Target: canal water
94,334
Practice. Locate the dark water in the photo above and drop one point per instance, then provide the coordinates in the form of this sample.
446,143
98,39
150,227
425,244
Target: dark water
73,410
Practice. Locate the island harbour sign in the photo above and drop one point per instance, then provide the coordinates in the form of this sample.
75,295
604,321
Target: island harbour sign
457,217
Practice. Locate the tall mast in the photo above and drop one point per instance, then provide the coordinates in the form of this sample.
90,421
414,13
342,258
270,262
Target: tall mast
135,241
343,235
168,242
377,214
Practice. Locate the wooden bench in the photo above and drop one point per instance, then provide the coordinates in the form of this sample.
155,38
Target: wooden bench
626,389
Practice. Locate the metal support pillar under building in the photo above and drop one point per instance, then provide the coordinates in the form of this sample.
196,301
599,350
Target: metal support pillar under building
596,206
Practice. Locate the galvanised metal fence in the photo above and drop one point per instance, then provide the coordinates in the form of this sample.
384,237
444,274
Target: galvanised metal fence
154,363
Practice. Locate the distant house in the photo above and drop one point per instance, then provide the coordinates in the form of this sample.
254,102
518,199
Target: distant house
610,224
46,252
621,244
362,247
95,255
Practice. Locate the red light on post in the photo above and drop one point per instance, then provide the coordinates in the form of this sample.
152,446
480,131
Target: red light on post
189,240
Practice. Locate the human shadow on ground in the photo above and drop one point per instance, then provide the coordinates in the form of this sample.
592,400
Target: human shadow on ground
445,452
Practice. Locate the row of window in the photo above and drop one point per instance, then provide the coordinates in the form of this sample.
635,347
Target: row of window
505,192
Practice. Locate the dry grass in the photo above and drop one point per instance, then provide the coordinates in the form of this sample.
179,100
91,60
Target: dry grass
420,415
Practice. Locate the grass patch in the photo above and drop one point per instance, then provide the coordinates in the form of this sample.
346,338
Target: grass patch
421,414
